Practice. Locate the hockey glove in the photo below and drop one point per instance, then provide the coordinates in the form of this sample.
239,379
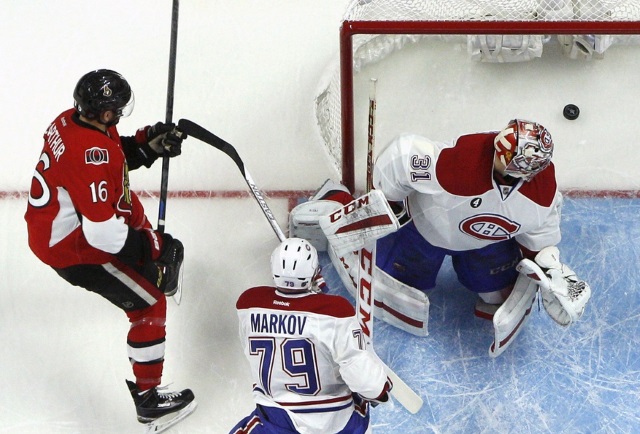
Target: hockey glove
167,253
384,395
319,284
163,137
564,296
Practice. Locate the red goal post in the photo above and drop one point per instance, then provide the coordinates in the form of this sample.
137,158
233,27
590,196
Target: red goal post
339,139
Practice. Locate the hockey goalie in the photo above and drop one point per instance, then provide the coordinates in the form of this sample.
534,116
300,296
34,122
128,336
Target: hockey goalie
488,200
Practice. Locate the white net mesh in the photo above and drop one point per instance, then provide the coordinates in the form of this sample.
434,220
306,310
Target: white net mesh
372,48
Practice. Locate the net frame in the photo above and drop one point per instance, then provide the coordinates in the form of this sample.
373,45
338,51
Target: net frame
351,28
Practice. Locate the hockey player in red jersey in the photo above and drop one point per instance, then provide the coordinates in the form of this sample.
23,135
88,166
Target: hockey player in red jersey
310,372
85,222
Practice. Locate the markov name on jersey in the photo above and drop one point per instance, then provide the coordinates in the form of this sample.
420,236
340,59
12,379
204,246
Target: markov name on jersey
278,323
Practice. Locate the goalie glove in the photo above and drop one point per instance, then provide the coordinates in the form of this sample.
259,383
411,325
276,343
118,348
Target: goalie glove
564,296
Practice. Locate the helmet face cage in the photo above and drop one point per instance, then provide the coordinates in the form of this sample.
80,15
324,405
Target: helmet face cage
294,265
103,90
525,148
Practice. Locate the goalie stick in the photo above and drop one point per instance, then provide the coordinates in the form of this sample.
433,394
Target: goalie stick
356,227
401,391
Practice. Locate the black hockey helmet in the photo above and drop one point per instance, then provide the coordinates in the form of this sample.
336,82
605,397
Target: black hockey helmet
101,90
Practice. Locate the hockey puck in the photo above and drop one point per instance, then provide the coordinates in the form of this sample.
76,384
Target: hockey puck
571,112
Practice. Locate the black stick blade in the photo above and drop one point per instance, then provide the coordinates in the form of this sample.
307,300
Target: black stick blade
196,131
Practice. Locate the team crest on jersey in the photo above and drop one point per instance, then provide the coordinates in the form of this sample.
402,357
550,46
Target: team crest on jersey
96,156
489,227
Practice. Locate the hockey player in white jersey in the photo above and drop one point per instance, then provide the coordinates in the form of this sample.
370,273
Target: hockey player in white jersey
310,372
485,199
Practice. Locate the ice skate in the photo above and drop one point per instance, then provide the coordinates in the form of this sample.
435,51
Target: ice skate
158,409
485,310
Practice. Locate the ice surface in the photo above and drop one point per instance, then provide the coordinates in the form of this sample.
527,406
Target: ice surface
64,356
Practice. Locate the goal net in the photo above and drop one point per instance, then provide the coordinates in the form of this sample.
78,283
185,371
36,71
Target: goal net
450,67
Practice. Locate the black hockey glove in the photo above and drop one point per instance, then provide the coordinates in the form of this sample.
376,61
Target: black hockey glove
172,252
167,253
163,137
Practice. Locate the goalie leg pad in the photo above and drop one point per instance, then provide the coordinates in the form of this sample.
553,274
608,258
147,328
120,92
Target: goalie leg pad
509,319
400,305
395,303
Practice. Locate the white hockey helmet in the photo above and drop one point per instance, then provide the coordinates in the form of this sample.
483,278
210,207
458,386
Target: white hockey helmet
294,264
524,147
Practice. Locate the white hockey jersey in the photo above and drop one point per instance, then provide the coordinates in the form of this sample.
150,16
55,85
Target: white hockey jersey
454,201
306,356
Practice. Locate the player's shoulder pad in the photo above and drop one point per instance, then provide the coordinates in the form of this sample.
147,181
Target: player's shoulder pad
466,168
254,296
415,144
542,188
335,305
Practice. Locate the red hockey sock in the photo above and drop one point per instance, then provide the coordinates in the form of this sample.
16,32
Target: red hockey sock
146,343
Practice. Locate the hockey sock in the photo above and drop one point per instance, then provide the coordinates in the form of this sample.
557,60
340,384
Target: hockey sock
146,343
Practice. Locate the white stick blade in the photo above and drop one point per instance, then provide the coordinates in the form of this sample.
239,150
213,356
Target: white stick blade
404,394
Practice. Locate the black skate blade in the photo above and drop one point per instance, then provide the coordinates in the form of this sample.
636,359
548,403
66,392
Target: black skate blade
164,423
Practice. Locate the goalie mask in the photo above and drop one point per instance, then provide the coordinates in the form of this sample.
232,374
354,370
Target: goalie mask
525,148
294,264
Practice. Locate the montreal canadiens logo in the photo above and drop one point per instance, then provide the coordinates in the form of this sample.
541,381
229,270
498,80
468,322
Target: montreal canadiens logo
546,140
96,156
489,227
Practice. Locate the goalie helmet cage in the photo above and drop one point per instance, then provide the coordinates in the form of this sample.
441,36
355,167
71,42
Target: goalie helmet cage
373,29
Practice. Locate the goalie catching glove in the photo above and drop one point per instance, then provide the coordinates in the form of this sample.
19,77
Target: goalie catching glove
564,296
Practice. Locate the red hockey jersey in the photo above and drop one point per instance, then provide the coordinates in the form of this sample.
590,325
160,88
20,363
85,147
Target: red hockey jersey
80,178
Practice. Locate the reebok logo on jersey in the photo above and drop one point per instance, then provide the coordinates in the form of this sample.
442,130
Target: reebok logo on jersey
96,156
490,227
281,303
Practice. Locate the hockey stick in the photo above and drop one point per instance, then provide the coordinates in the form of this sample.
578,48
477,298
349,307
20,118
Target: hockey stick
401,391
164,182
355,228
367,263
371,134
194,130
